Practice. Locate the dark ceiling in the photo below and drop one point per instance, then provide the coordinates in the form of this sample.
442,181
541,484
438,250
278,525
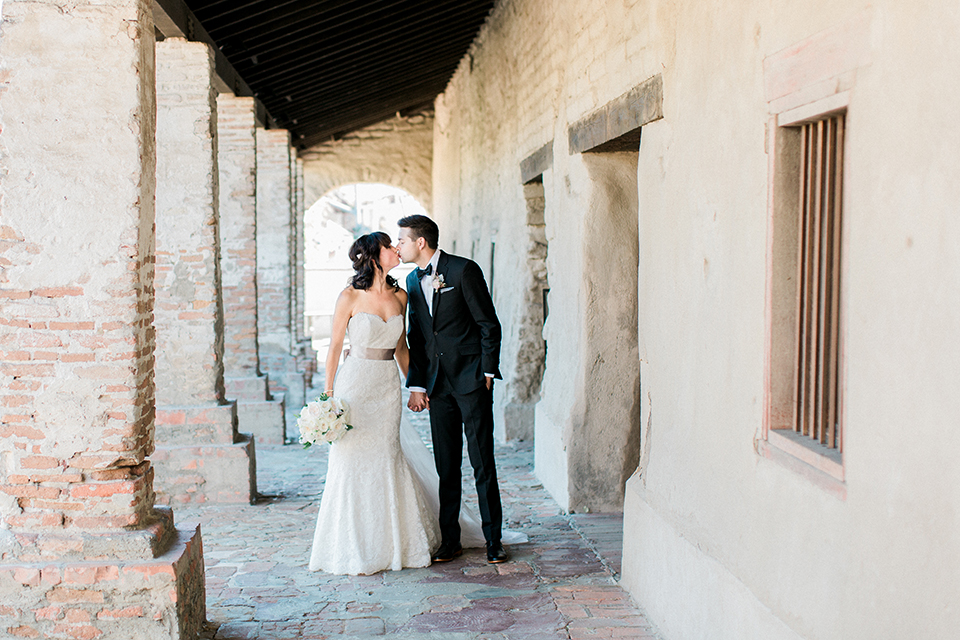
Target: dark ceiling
324,68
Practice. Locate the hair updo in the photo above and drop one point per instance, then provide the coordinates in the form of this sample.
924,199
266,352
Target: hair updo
365,253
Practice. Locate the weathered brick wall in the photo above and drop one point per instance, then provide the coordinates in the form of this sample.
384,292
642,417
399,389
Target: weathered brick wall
276,263
298,211
202,456
398,152
237,145
75,323
189,305
274,241
83,553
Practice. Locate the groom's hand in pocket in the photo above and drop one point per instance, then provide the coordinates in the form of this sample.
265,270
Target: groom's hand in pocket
418,401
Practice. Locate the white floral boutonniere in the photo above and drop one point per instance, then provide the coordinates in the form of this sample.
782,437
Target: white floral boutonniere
438,282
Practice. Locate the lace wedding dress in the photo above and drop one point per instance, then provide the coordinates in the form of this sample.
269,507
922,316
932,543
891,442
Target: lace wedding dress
373,514
380,500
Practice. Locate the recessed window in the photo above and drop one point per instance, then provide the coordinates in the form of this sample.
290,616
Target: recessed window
804,415
817,392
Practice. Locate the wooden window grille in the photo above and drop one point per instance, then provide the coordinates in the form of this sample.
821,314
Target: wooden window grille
817,392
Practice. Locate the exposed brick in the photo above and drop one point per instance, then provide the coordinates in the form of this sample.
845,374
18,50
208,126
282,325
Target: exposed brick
67,594
39,462
127,612
27,576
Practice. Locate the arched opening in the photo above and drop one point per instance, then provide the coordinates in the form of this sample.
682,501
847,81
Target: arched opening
331,225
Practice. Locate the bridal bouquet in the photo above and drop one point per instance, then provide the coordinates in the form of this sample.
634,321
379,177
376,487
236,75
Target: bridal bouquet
323,420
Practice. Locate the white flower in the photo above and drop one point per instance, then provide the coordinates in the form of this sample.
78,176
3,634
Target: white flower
323,420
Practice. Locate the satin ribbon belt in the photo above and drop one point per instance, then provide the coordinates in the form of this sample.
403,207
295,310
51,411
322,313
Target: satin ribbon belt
366,353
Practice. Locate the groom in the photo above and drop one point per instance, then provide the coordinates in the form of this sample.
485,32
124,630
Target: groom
454,338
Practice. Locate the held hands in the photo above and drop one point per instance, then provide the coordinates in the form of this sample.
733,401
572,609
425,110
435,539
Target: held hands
418,401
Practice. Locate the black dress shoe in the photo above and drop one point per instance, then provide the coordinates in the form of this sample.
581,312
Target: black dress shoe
496,554
447,552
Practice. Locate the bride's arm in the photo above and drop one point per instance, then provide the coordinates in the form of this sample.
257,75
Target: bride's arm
341,315
402,353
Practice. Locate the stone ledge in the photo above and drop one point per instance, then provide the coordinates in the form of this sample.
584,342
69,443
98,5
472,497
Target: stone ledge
221,473
196,425
533,166
616,125
71,544
111,599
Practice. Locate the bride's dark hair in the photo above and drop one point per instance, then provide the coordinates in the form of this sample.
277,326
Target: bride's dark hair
365,253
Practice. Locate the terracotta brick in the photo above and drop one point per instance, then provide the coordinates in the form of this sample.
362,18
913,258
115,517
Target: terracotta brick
58,292
39,462
71,326
78,357
66,594
77,615
27,576
128,612
24,632
50,575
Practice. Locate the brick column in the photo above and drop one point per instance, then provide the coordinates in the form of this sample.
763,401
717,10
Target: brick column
201,456
83,551
258,411
306,356
275,285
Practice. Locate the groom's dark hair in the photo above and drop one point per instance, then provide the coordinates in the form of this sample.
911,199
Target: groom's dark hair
422,227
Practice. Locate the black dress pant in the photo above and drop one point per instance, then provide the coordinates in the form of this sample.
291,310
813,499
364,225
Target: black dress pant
453,416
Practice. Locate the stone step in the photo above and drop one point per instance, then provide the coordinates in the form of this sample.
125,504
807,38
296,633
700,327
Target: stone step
219,473
254,388
265,419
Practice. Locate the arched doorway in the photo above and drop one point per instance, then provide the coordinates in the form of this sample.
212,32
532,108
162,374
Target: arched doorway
331,225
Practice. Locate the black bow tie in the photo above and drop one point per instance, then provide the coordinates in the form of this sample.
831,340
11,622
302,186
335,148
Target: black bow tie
424,272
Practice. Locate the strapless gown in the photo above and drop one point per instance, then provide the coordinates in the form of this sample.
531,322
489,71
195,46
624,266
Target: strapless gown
373,513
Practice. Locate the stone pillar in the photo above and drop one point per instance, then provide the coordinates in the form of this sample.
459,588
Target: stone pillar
83,551
202,456
275,285
306,356
259,413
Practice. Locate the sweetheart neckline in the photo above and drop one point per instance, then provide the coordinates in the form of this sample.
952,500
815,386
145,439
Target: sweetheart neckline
367,313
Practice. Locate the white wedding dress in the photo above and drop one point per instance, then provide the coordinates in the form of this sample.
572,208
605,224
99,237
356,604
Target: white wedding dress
380,500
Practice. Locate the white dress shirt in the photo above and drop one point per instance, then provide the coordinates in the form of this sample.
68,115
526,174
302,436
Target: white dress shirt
426,282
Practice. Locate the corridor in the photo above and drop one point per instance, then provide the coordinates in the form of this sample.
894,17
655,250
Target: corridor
561,584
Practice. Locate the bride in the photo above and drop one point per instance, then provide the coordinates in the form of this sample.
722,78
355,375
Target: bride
381,496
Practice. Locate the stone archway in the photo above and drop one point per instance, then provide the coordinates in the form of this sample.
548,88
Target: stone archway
397,152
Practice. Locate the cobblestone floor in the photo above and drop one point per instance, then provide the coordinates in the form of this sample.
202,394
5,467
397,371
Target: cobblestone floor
561,584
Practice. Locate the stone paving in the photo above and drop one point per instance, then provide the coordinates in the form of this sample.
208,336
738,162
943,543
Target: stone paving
561,584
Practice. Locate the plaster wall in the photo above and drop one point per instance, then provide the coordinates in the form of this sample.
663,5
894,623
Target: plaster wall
535,68
397,152
721,541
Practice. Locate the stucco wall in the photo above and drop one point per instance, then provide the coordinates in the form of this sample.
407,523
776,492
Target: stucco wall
720,541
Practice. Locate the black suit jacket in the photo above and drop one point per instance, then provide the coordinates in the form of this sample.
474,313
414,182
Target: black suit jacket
462,336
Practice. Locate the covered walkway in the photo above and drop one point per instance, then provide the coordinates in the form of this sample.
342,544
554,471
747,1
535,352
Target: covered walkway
559,585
